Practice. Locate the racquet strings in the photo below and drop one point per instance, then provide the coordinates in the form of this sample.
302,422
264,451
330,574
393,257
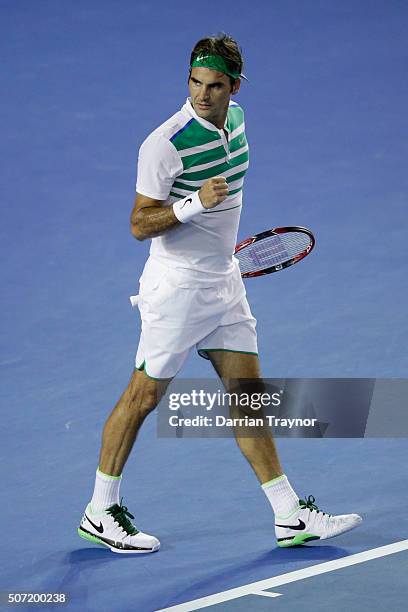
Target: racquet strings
272,251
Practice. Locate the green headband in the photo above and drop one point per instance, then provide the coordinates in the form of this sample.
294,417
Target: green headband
215,62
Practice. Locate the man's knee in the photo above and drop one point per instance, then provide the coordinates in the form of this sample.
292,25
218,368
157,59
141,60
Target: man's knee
144,393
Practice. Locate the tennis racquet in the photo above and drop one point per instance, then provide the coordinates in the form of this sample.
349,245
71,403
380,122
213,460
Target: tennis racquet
273,250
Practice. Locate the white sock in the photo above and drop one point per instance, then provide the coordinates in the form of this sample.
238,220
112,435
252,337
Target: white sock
106,492
282,497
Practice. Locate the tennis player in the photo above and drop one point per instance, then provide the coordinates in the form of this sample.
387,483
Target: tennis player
190,177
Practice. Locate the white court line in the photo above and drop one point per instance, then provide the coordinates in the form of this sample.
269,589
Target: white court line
307,572
266,593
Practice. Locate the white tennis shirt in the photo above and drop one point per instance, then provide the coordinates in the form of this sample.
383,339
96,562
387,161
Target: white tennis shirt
174,161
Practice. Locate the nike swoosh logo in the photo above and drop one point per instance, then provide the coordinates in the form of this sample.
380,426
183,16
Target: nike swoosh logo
186,202
98,529
296,527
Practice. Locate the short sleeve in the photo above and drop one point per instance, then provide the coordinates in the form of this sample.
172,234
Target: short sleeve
158,167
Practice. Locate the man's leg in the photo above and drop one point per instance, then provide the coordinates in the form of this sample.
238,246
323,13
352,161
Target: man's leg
140,397
296,521
256,443
105,520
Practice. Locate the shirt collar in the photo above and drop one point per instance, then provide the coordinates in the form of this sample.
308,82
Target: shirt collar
209,126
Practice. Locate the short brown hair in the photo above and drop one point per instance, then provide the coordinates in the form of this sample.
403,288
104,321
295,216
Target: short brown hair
223,45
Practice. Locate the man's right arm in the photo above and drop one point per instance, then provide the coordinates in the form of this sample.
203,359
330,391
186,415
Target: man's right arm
150,218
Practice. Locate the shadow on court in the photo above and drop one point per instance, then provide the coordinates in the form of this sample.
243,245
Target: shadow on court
220,577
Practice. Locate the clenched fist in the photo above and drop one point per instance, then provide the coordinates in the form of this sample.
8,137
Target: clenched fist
213,192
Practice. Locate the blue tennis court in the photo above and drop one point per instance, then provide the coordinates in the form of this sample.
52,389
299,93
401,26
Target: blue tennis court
84,83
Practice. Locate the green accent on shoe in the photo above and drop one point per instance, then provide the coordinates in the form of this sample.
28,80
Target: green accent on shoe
310,505
88,536
120,514
298,540
108,475
273,481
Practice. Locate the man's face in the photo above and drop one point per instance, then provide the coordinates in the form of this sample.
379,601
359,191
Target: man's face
210,93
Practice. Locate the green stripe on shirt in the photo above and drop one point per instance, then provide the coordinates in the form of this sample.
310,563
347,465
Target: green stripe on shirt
215,170
194,133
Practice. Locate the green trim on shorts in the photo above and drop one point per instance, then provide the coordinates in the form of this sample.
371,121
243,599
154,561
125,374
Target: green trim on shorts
211,350
142,368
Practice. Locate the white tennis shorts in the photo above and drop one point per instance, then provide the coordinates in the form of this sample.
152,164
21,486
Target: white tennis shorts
176,317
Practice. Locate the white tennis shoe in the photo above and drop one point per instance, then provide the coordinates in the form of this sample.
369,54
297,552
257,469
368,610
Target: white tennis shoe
113,529
309,523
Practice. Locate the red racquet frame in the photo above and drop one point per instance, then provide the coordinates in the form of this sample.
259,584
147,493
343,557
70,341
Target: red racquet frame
272,232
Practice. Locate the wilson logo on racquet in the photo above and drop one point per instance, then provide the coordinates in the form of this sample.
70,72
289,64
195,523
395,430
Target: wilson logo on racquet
273,250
